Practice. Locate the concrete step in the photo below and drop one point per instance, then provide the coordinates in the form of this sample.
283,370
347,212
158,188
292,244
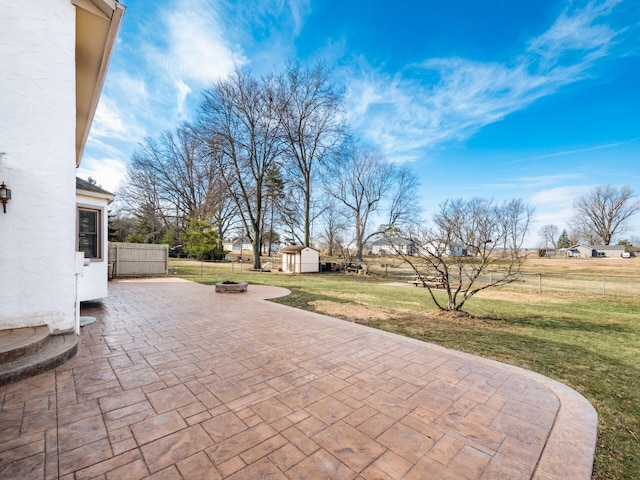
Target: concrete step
18,342
37,357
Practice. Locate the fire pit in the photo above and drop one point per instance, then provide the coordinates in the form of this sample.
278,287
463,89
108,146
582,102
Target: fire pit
231,287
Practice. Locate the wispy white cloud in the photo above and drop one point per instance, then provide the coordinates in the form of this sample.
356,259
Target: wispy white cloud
558,196
446,99
576,30
579,150
197,49
554,206
267,30
112,122
299,11
107,172
548,180
183,91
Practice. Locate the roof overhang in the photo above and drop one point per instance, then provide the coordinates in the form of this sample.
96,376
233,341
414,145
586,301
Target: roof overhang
97,24
89,193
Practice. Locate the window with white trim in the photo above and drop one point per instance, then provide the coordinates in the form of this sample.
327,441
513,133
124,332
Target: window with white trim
89,234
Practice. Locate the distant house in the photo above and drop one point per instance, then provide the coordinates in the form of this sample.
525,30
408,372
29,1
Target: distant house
598,251
300,259
393,246
443,249
457,250
237,245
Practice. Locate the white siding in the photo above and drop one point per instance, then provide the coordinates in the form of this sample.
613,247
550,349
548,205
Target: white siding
305,261
93,284
37,135
309,261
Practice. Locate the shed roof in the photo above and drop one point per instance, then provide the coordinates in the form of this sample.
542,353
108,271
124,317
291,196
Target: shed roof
600,247
295,249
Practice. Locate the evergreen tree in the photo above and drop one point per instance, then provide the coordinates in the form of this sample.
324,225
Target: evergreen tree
563,240
200,240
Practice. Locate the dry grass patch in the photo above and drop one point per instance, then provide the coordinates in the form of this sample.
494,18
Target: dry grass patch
351,311
518,297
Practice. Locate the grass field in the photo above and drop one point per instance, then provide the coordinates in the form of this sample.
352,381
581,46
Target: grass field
589,342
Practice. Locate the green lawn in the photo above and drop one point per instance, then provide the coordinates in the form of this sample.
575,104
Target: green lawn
591,344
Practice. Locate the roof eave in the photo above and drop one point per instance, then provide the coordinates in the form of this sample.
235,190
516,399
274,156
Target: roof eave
109,197
97,25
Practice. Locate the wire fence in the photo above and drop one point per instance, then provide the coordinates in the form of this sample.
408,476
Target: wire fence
532,283
615,286
539,283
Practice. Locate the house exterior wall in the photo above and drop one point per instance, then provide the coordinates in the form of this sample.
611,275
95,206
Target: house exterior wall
588,251
610,251
37,136
93,284
386,249
234,246
585,250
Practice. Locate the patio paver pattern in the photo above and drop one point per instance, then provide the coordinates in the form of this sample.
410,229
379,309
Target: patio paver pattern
176,381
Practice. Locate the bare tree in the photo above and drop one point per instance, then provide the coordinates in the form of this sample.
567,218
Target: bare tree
141,197
468,239
548,235
364,183
602,213
180,172
574,236
332,226
223,210
402,205
291,214
309,108
243,137
173,177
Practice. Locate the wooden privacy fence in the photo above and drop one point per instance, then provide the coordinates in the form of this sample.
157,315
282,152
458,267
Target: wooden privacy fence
138,259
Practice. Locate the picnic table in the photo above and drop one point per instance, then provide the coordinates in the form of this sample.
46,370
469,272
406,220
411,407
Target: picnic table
432,281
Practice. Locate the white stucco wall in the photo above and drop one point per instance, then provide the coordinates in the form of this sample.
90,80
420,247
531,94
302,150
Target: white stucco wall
37,135
93,284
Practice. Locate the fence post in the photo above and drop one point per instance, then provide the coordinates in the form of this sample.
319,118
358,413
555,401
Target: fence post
604,287
539,283
115,267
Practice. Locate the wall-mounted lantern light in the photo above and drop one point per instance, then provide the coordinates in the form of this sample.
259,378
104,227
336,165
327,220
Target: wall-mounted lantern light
5,196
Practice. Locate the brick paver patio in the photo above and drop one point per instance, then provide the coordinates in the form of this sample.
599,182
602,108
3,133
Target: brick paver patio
176,381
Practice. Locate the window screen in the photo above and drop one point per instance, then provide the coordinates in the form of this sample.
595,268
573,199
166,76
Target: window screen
88,231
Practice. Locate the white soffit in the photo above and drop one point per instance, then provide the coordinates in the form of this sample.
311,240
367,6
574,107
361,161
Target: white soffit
97,24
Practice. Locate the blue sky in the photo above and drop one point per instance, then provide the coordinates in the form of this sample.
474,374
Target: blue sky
534,99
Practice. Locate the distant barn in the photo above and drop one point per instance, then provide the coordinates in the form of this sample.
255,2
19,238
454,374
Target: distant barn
601,251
